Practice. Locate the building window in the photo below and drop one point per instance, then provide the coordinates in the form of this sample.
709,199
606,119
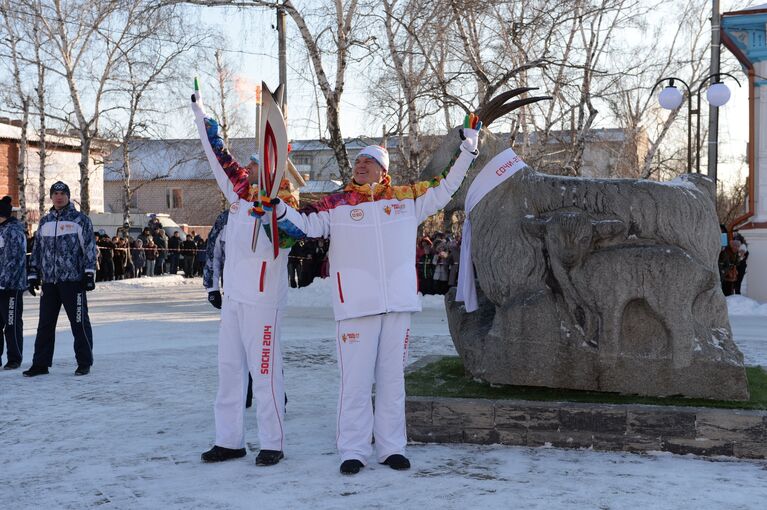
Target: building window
303,164
301,160
174,198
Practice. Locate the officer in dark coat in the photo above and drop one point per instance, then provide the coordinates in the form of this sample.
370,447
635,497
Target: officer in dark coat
189,252
64,259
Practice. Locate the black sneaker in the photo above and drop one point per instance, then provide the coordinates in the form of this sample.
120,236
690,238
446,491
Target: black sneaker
83,370
220,454
397,461
35,370
351,467
268,457
12,365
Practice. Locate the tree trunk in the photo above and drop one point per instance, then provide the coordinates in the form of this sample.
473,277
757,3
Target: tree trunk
127,194
336,142
84,164
22,163
647,169
221,74
42,150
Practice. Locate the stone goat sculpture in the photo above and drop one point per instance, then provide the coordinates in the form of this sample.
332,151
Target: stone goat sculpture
597,284
598,305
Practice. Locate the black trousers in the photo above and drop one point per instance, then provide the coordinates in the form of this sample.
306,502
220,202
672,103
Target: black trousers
188,266
72,296
11,325
173,259
108,269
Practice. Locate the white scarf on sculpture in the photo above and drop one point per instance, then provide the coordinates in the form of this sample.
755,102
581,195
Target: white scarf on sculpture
500,168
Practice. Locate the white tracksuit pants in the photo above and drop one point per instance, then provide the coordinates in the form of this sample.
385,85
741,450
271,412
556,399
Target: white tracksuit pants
249,340
371,350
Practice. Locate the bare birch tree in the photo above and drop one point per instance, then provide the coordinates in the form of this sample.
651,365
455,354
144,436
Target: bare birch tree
330,32
87,41
42,147
147,71
680,53
408,102
22,98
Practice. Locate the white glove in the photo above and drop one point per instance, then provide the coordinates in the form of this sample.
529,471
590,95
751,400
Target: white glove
470,139
197,107
281,209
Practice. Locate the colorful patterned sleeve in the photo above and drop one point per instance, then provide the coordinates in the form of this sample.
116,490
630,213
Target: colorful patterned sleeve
238,175
285,194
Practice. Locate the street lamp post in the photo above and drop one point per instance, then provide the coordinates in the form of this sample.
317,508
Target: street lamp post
671,98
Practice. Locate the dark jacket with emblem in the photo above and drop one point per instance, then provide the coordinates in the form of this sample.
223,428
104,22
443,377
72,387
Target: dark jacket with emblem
64,248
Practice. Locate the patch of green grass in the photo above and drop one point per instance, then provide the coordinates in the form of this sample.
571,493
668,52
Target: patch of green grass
447,378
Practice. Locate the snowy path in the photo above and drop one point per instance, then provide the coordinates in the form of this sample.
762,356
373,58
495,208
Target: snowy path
130,434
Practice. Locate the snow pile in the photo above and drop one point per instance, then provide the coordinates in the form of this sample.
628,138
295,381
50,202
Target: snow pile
433,302
741,305
130,434
154,282
318,294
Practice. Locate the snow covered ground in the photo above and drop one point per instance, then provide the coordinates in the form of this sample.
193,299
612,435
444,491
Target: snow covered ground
130,434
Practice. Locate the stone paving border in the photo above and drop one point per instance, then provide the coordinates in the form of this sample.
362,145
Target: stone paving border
608,427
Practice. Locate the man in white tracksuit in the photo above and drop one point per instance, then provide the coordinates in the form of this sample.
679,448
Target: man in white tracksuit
372,228
255,293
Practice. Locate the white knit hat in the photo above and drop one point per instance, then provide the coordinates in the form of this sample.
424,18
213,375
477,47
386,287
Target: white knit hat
378,153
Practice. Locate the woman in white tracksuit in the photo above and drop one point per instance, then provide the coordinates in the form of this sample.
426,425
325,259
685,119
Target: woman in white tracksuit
255,293
372,228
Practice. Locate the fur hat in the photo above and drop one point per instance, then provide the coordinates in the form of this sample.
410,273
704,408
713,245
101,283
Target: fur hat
378,153
5,207
59,186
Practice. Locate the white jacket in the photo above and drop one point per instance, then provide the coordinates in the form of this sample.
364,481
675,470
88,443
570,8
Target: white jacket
372,234
255,278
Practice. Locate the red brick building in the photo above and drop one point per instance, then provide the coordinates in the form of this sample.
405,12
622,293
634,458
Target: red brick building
9,159
63,156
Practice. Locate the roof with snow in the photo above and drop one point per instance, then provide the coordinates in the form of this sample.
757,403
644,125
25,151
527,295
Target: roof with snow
183,159
13,132
321,186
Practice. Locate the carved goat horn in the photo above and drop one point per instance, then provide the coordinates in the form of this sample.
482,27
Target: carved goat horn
501,98
498,107
494,109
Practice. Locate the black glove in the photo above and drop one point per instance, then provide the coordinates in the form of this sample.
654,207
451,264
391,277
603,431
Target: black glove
89,282
33,284
214,298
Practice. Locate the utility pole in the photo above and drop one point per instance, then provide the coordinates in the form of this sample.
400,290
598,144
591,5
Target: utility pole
282,55
713,112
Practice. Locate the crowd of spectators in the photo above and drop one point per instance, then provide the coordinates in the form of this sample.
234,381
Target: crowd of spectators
151,253
733,260
437,263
